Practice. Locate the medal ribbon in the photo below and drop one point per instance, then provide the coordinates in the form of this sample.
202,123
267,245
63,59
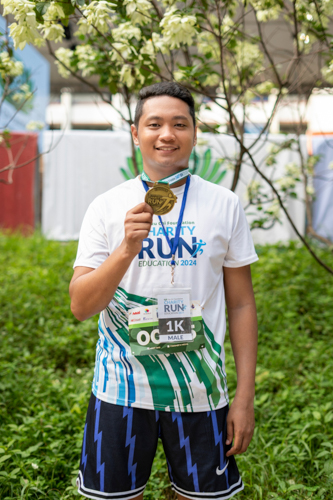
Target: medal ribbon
172,179
174,245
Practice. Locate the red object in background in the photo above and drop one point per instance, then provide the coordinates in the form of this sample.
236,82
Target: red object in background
17,200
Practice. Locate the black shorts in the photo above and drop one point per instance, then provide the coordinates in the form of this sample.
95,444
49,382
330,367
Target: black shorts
119,446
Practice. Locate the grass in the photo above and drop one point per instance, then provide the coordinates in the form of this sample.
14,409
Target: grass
47,358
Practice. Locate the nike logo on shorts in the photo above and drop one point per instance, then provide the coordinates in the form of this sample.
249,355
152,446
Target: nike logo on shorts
219,472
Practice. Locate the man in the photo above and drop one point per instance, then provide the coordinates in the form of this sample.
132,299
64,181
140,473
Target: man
199,254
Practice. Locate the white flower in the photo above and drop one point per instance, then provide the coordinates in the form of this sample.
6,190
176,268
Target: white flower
122,51
274,209
304,38
23,34
34,125
207,44
88,58
310,190
249,56
264,87
125,32
152,46
286,183
212,80
266,14
54,12
293,169
96,16
253,189
330,165
178,28
138,10
53,32
25,29
34,466
129,75
65,56
78,371
9,67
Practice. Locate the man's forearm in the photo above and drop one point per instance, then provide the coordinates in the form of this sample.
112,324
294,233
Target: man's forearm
244,340
91,292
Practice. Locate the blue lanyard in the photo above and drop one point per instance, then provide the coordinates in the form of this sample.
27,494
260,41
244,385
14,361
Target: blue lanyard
174,246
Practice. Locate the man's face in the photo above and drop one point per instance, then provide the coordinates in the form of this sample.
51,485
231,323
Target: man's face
165,135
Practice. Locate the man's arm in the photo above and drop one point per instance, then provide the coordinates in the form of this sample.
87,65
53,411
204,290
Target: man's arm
244,338
91,290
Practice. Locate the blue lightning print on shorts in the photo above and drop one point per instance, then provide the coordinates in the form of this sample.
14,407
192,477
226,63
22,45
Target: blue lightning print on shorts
84,454
191,469
130,441
218,437
98,438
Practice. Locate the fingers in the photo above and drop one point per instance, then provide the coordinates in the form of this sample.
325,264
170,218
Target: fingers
141,213
240,427
137,224
237,447
142,207
230,429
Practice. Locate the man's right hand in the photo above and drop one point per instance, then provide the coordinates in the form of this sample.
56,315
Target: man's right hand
138,222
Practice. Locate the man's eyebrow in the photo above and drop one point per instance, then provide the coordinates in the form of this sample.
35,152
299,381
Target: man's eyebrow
179,117
154,118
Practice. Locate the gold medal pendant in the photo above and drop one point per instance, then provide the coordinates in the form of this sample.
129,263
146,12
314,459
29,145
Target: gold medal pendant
160,198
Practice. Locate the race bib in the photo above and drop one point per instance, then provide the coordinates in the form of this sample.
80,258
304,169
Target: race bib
180,330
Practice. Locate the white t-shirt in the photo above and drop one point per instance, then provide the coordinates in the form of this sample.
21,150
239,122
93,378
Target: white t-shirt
214,234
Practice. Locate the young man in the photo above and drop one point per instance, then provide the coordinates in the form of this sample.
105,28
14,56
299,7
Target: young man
148,382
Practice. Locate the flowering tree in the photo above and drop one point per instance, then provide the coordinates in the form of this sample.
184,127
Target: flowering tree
220,50
16,90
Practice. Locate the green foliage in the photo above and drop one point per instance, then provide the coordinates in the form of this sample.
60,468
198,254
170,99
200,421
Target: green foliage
201,165
47,361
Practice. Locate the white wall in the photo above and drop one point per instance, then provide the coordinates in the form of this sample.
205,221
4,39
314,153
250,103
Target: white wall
83,164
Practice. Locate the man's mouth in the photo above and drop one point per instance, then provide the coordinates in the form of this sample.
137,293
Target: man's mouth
167,148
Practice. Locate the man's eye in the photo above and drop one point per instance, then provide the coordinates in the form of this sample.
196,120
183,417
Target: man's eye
180,125
154,125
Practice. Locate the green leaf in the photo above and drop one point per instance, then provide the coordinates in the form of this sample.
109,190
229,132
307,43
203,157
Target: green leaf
131,165
220,177
68,8
41,7
4,458
125,174
206,163
296,487
215,169
113,87
139,161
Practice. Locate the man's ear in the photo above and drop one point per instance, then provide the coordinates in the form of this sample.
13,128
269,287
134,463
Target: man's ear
195,135
135,135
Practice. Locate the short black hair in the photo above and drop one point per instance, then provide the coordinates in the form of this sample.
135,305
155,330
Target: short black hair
172,89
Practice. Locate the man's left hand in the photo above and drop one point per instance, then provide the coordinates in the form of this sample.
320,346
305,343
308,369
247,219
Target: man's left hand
240,426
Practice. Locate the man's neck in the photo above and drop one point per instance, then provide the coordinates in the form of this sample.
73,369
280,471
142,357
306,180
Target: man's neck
155,177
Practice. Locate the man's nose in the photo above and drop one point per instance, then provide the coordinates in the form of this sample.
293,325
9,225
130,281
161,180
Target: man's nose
167,133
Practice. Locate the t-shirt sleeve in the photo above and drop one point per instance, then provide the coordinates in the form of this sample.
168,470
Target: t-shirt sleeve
241,251
93,246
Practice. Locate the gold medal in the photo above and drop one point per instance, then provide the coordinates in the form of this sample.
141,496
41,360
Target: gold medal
160,198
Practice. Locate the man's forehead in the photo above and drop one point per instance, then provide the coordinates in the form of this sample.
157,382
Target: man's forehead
165,106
